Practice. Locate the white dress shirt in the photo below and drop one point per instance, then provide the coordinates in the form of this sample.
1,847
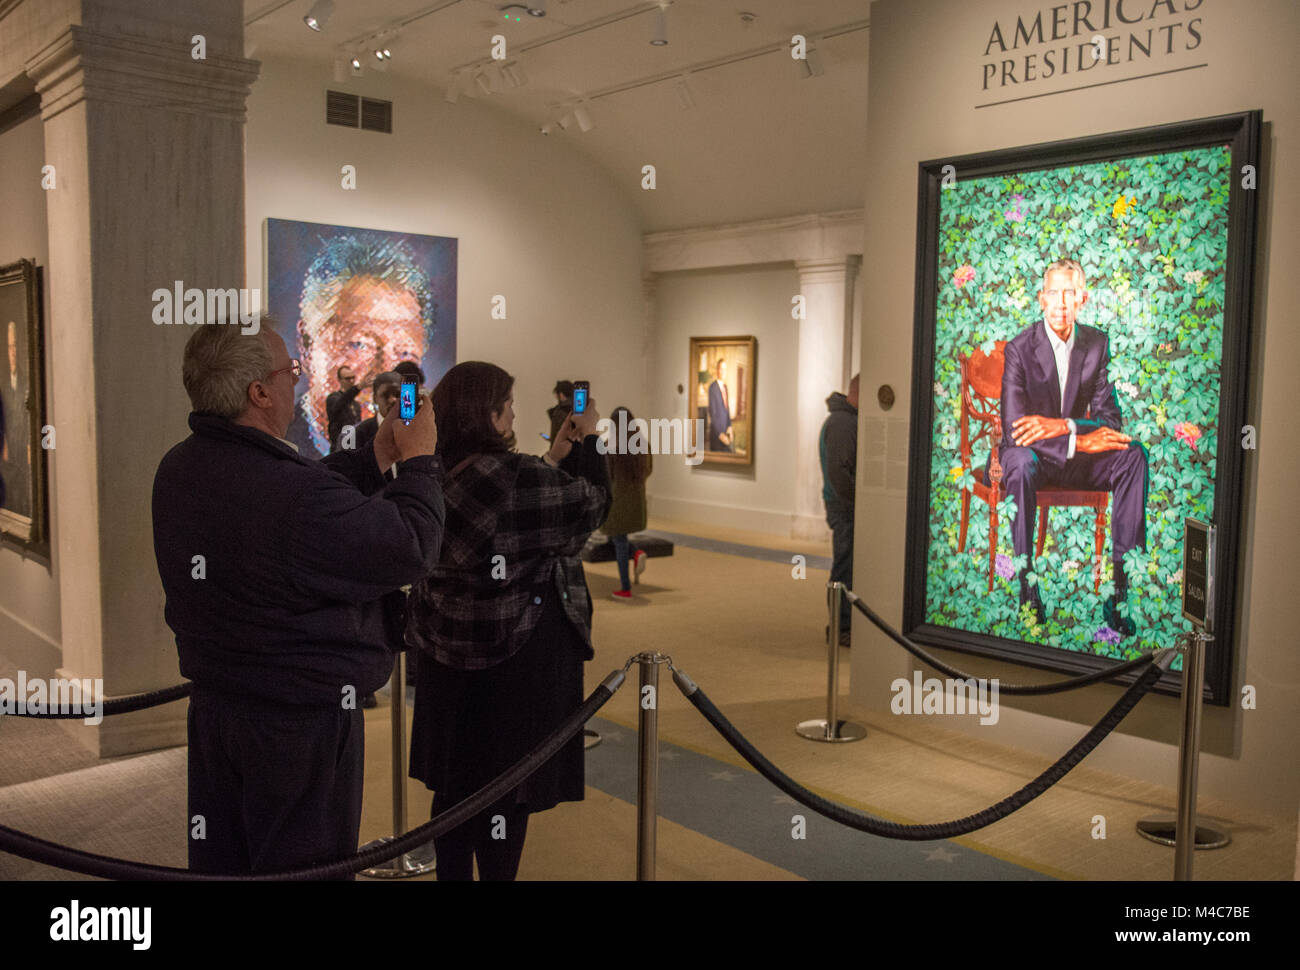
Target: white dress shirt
1062,350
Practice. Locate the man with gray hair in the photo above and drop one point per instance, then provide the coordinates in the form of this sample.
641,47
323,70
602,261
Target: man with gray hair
1061,425
275,567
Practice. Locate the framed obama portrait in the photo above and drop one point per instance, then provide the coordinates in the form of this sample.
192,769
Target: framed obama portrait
1079,390
24,516
364,299
721,410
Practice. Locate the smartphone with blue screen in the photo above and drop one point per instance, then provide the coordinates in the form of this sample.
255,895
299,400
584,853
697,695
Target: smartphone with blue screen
409,401
580,391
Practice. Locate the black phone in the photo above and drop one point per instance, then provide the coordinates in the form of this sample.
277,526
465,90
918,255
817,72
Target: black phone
580,391
410,400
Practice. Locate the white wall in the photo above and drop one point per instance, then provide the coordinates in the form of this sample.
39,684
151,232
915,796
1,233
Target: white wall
536,222
29,585
925,79
721,303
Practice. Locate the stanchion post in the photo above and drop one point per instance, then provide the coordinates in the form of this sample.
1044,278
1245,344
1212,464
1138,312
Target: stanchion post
647,783
833,666
1189,754
399,744
832,729
421,859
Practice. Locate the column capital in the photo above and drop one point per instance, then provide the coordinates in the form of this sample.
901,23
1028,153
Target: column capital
83,65
835,269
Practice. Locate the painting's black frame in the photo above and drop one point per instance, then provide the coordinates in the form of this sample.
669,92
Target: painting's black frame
1242,131
31,534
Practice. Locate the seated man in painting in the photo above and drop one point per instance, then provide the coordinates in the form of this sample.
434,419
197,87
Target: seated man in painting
1061,426
720,410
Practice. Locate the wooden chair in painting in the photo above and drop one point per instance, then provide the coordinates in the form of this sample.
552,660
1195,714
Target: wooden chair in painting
981,420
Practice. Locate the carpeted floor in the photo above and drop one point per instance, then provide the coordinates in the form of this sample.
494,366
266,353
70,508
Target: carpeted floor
726,607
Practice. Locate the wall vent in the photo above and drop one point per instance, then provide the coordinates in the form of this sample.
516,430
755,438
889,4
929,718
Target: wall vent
354,111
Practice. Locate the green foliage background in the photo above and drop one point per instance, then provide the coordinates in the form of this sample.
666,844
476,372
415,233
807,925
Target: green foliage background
1152,235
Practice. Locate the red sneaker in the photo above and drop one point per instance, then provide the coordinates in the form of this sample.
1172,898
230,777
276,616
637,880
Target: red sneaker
623,595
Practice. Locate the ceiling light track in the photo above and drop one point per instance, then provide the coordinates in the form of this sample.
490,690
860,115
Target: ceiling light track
718,62
576,31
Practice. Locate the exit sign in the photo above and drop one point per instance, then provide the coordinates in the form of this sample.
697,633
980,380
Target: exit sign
1198,573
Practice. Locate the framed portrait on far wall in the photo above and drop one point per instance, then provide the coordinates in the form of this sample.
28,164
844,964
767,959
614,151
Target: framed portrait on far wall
721,395
1082,338
365,299
23,515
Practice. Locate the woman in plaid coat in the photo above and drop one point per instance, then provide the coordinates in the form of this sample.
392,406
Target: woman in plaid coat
503,622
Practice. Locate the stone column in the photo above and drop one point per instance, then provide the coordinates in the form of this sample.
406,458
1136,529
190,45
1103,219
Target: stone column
148,145
825,340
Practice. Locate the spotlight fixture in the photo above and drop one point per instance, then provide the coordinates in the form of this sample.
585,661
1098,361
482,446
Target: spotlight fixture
546,129
811,65
319,14
354,66
537,8
685,97
660,37
514,74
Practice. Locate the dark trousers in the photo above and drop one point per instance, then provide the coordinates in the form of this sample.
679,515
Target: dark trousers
840,518
1123,473
622,553
498,858
278,787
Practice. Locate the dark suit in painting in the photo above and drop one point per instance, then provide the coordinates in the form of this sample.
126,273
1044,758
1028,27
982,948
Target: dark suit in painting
719,417
1030,385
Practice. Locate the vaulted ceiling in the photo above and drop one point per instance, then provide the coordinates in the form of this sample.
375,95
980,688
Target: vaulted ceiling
736,128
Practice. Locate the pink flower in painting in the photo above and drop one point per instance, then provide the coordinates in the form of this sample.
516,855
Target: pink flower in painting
1014,214
965,273
1186,431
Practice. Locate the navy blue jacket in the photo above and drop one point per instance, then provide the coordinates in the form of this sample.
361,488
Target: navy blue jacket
297,557
1030,385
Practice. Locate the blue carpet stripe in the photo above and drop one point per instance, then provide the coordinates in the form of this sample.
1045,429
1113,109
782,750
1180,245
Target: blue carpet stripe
742,809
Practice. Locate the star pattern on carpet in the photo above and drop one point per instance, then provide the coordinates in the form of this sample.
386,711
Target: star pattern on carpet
940,854
724,775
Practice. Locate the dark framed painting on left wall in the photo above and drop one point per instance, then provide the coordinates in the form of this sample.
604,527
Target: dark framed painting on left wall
24,512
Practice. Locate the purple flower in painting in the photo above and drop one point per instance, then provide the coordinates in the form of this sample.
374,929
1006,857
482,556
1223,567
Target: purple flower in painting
1014,214
1003,566
1105,634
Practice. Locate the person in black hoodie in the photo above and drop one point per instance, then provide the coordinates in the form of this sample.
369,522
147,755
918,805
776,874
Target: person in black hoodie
275,569
839,456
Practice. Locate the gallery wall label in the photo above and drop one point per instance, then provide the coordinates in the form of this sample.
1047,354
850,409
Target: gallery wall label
1045,51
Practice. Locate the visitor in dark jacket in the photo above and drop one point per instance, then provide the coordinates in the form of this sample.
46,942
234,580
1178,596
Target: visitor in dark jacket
839,457
274,568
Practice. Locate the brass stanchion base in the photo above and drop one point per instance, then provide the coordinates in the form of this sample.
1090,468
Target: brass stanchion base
816,730
590,739
1162,832
418,862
